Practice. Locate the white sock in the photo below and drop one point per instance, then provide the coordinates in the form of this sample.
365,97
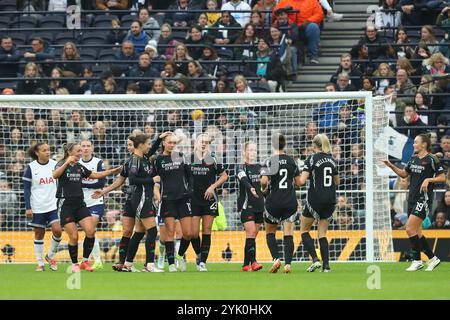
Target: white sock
177,245
162,249
54,243
96,251
39,248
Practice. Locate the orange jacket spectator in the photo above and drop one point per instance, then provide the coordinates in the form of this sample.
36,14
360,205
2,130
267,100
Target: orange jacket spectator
310,10
116,4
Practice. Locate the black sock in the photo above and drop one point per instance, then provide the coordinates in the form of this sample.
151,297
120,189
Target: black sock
134,245
272,244
415,247
123,248
288,242
170,252
184,245
150,245
324,251
73,252
426,247
246,253
308,243
196,245
88,244
206,246
250,250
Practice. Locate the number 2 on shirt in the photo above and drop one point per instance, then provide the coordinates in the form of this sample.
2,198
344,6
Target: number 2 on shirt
283,182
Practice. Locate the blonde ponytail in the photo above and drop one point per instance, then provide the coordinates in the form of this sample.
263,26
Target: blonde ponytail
322,142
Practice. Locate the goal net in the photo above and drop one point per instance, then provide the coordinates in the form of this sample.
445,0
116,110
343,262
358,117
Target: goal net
360,229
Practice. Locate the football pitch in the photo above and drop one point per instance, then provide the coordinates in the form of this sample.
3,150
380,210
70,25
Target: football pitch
226,281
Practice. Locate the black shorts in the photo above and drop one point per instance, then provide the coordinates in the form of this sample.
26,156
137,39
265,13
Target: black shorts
420,208
278,215
72,210
257,217
210,209
177,209
323,211
139,209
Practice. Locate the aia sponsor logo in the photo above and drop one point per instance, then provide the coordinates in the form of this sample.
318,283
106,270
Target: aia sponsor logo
46,180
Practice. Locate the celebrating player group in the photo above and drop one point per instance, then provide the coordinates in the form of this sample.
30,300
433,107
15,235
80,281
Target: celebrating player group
175,195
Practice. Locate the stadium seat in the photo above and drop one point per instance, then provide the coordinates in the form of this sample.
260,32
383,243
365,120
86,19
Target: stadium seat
56,21
103,21
88,54
225,54
63,37
24,22
95,37
179,36
58,52
127,20
4,22
259,87
46,36
8,5
18,38
106,54
234,69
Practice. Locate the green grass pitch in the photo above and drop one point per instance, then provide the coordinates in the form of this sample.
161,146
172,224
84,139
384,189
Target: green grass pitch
226,281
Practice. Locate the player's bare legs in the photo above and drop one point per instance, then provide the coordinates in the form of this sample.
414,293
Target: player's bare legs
308,243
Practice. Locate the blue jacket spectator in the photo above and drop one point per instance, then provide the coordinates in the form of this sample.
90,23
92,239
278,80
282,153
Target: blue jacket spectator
9,56
126,53
41,52
137,36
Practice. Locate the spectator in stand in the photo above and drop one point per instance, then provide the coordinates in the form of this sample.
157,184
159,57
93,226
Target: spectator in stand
16,140
149,24
401,37
440,221
326,115
182,58
287,27
86,86
132,88
103,147
8,205
110,86
286,52
436,64
377,43
414,12
226,30
346,65
111,5
442,123
443,19
265,7
166,43
368,84
42,53
137,36
42,134
404,86
421,104
181,15
343,82
444,204
400,200
195,42
9,58
428,37
348,129
209,56
70,53
361,52
257,21
157,61
28,124
269,68
195,70
411,119
30,86
248,41
16,168
202,21
434,142
57,126
345,219
384,77
445,44
184,85
235,6
222,85
126,53
308,20
241,85
77,127
144,69
443,152
159,88
421,53
387,16
213,13
305,140
58,82
115,35
403,63
170,71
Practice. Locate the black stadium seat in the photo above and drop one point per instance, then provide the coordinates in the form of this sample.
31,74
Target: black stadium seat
179,36
53,22
24,22
46,36
103,21
95,37
63,37
128,19
18,38
225,54
4,22
8,5
106,54
88,54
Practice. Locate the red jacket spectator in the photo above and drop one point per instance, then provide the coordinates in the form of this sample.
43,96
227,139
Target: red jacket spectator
310,10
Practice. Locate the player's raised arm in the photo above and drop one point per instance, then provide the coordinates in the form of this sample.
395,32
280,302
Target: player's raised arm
402,173
104,174
62,165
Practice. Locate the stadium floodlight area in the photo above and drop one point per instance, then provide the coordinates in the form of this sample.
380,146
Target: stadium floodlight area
354,122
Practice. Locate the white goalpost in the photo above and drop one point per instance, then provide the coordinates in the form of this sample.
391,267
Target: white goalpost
354,122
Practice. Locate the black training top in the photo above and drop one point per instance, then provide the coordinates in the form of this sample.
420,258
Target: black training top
140,174
204,173
282,170
419,170
249,176
176,179
322,168
70,183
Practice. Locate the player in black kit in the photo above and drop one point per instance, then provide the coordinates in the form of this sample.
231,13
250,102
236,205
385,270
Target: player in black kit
424,170
321,170
71,206
204,169
250,203
281,202
176,190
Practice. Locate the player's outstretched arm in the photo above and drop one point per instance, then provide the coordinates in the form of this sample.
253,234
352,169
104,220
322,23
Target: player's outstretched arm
301,179
440,178
116,184
103,174
400,172
264,183
58,172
